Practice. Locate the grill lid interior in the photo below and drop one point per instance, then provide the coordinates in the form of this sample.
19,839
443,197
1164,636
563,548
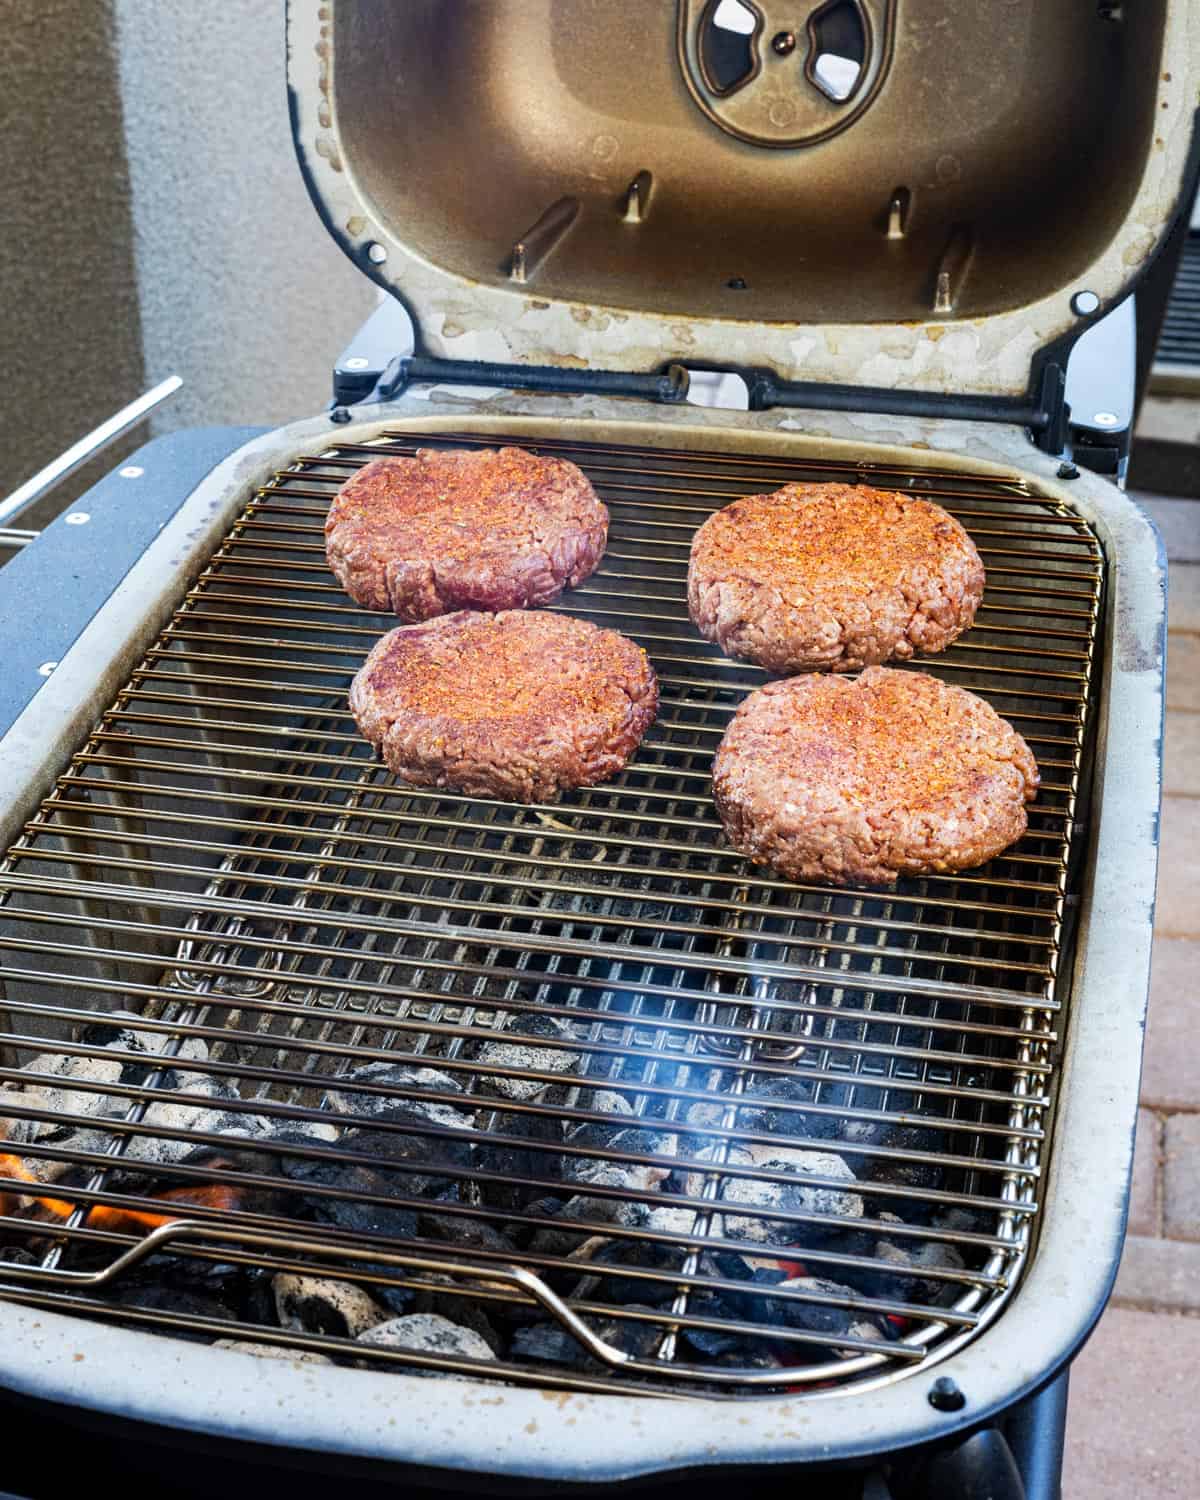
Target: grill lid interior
625,185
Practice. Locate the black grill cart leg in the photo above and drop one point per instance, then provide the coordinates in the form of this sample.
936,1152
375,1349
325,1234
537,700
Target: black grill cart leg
1036,1434
981,1467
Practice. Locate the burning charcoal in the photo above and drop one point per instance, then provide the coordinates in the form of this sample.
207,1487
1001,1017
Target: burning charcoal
638,1177
624,1213
506,1151
861,1330
750,1357
664,1218
297,1132
720,1344
457,1308
960,1221
548,1343
605,1101
761,1110
352,1212
130,1039
178,1121
602,1262
394,1106
607,1257
427,1333
179,1303
273,1351
930,1255
464,1232
795,1197
515,1055
244,1289
813,1317
446,1161
444,1158
619,1137
311,1304
928,1176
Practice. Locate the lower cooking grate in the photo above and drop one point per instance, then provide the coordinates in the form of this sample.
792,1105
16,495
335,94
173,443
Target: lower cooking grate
733,1133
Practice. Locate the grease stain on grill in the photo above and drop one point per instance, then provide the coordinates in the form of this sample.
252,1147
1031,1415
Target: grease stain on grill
754,1135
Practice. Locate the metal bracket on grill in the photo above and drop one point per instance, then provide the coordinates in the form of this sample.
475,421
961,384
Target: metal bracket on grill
512,1278
1045,418
670,387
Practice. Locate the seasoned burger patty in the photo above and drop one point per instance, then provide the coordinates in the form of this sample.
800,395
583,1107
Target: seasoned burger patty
856,782
515,705
495,529
832,577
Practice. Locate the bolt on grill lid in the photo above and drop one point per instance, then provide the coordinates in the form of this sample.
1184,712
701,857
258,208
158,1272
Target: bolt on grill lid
845,191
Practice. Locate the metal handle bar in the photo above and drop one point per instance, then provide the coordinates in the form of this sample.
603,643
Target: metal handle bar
87,447
511,1277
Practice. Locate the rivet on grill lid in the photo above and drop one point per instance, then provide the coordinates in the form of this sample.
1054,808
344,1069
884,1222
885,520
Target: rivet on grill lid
945,1395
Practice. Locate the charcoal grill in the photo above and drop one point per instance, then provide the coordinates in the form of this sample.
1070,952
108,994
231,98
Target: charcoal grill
214,895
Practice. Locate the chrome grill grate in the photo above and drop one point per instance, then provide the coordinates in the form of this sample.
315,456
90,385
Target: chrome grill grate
225,857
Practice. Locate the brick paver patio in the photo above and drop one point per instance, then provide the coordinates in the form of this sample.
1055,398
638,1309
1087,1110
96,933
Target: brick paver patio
1132,1430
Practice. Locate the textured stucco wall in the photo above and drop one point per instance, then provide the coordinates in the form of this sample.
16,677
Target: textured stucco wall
243,293
69,321
153,220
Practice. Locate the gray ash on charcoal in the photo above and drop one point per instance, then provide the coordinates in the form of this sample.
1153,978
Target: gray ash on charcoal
427,1333
773,1107
915,1140
450,1298
815,1185
428,1161
316,1304
517,1052
906,1260
81,1087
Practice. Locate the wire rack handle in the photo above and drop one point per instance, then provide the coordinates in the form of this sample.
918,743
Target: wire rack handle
511,1277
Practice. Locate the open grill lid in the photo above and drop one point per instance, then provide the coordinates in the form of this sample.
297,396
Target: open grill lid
618,187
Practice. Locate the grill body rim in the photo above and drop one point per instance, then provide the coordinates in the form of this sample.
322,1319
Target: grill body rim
1083,1220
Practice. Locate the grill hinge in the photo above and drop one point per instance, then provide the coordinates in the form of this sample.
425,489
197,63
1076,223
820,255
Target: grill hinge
671,386
1045,417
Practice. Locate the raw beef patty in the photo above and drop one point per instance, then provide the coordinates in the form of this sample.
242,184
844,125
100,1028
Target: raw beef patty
494,529
857,782
518,705
832,577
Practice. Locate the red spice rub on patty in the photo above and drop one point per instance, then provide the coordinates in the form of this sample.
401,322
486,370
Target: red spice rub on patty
516,705
857,782
493,529
832,577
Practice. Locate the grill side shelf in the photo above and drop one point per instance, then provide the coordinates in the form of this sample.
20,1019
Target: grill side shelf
55,585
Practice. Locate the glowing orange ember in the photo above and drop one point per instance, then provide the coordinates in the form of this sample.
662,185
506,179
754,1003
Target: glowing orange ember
121,1220
127,1220
13,1166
